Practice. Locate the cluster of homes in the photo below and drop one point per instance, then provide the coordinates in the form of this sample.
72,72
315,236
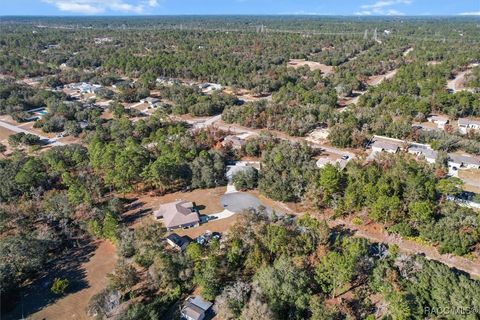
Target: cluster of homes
455,161
83,87
464,125
184,214
205,87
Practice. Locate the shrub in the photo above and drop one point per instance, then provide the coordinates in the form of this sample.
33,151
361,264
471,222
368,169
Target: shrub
59,286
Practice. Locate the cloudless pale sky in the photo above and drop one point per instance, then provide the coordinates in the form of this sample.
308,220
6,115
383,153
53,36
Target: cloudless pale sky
274,7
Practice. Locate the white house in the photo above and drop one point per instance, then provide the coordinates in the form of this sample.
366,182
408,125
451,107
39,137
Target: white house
150,100
423,152
207,87
463,161
465,125
382,145
440,121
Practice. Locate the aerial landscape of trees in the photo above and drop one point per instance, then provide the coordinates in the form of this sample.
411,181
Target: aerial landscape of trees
59,197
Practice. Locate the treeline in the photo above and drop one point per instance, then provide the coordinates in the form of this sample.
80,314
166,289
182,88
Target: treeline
406,196
270,267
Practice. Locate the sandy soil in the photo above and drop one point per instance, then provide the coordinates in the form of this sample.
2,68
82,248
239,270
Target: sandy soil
297,63
376,80
471,174
107,115
406,52
92,275
71,140
5,133
458,83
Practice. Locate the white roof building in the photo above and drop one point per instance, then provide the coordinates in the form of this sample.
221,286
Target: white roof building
440,121
423,152
465,124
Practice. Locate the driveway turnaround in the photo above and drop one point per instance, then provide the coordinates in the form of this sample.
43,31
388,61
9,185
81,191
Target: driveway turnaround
239,201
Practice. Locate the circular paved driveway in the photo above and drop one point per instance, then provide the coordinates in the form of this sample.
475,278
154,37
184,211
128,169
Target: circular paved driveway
239,201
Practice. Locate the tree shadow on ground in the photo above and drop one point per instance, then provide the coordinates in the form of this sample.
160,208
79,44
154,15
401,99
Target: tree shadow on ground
132,217
37,295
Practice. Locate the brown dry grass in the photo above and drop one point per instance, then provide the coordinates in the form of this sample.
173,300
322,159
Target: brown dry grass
472,174
5,133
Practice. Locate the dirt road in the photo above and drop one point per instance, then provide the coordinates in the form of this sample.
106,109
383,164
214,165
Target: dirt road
378,235
457,84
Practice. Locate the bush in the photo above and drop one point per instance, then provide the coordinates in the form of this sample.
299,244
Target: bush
59,286
246,179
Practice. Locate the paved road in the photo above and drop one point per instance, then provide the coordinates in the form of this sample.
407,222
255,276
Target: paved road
18,130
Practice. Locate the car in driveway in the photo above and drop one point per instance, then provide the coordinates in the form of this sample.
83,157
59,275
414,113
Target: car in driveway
345,157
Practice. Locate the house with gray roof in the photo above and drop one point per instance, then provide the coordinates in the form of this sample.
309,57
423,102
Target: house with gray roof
463,161
150,100
195,308
423,152
387,146
178,214
465,125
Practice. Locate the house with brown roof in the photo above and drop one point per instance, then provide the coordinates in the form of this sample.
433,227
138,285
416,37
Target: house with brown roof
178,214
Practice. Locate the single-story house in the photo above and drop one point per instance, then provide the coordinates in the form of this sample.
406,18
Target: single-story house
195,308
382,145
463,161
89,88
424,152
210,86
177,241
178,214
150,100
440,121
465,125
322,162
234,142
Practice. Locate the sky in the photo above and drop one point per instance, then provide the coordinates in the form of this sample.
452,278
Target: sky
260,7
